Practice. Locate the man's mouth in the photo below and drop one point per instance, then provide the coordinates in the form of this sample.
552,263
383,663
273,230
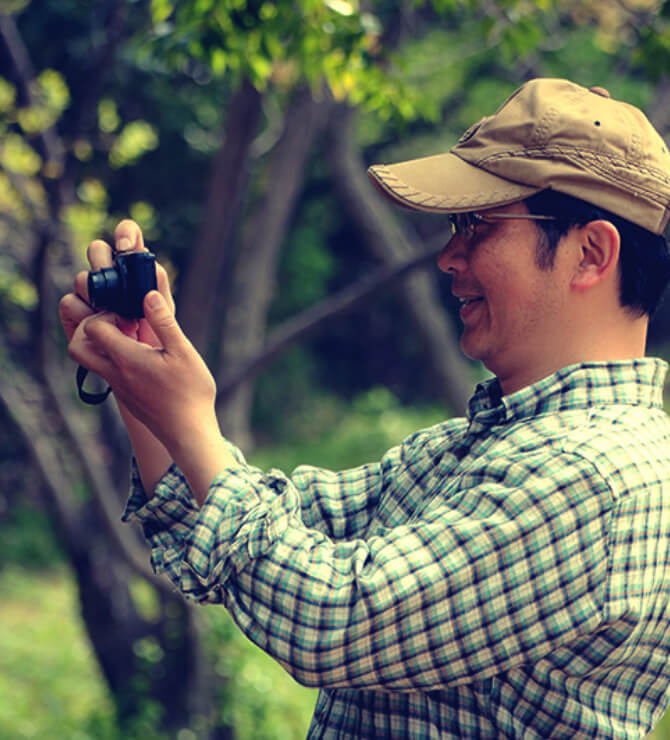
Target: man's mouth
468,301
468,305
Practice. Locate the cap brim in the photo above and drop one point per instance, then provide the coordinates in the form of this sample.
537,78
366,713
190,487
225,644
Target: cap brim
445,183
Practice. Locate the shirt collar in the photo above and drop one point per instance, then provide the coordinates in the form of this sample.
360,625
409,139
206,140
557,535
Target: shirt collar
632,382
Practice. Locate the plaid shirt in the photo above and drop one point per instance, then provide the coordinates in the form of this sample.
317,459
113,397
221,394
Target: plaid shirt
506,574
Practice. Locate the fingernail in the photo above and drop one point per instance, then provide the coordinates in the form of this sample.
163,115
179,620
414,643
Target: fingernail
154,299
124,244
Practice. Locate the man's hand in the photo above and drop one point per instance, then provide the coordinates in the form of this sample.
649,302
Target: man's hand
165,385
155,372
75,306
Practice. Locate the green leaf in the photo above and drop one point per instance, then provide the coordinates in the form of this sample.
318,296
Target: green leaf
161,10
17,156
134,140
7,95
108,117
93,192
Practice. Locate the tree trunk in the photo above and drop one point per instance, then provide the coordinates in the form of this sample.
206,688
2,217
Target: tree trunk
114,626
379,231
308,321
229,177
253,280
659,115
70,452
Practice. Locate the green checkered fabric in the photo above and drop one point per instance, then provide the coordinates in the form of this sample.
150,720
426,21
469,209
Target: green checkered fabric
506,574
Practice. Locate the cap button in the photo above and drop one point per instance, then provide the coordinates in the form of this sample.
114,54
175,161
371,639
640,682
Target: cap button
600,91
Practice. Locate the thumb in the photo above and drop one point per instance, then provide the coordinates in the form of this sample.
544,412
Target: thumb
162,321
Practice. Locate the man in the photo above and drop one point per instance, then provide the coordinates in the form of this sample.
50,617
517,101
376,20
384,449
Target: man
500,575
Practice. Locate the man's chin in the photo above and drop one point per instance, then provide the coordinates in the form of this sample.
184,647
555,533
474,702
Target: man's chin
470,348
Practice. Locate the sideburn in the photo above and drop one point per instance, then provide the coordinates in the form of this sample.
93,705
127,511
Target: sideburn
545,248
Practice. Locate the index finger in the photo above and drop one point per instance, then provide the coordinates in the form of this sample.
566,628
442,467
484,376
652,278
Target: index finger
99,255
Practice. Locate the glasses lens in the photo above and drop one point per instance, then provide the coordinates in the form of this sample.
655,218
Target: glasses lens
463,224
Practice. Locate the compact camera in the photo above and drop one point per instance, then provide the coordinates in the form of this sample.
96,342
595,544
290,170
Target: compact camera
122,288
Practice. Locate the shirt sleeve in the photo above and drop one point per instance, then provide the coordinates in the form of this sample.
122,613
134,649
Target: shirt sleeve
504,565
339,504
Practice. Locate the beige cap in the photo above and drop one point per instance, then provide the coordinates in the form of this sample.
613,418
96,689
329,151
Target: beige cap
548,134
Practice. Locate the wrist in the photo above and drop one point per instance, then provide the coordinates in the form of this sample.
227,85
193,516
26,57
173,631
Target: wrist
152,457
201,452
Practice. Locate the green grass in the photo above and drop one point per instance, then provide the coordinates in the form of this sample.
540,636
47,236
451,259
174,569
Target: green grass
50,684
51,687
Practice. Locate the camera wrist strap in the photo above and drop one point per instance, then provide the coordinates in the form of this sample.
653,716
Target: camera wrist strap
91,398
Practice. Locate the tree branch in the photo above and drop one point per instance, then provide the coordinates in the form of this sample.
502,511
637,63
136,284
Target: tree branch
21,399
390,241
28,408
309,320
229,175
25,74
254,275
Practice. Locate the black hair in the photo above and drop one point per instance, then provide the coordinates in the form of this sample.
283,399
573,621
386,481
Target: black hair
644,257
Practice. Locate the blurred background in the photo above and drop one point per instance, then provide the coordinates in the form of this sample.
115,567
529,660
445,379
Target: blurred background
237,134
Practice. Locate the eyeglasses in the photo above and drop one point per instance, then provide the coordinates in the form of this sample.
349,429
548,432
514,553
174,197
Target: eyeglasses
464,224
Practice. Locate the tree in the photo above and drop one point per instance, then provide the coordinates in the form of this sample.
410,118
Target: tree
62,129
128,120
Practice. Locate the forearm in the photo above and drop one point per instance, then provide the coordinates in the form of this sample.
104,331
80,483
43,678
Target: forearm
153,460
201,453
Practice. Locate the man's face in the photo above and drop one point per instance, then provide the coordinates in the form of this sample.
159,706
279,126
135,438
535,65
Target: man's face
513,312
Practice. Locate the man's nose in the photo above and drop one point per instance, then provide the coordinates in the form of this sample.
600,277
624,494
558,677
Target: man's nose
453,256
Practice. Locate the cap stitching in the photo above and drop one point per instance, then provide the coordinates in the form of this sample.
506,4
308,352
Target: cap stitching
542,130
635,148
418,197
584,154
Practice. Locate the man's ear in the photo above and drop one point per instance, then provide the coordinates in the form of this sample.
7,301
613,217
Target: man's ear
599,244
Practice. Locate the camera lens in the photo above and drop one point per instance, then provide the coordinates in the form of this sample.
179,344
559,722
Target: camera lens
104,288
122,288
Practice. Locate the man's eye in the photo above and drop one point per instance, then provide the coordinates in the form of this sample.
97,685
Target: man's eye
483,226
480,232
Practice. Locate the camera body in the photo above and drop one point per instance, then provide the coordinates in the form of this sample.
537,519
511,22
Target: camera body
122,288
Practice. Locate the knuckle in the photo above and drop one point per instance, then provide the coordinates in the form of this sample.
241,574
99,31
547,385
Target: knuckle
64,303
166,321
73,351
81,283
65,309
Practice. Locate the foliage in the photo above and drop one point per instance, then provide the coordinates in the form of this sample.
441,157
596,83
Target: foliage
335,435
283,43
